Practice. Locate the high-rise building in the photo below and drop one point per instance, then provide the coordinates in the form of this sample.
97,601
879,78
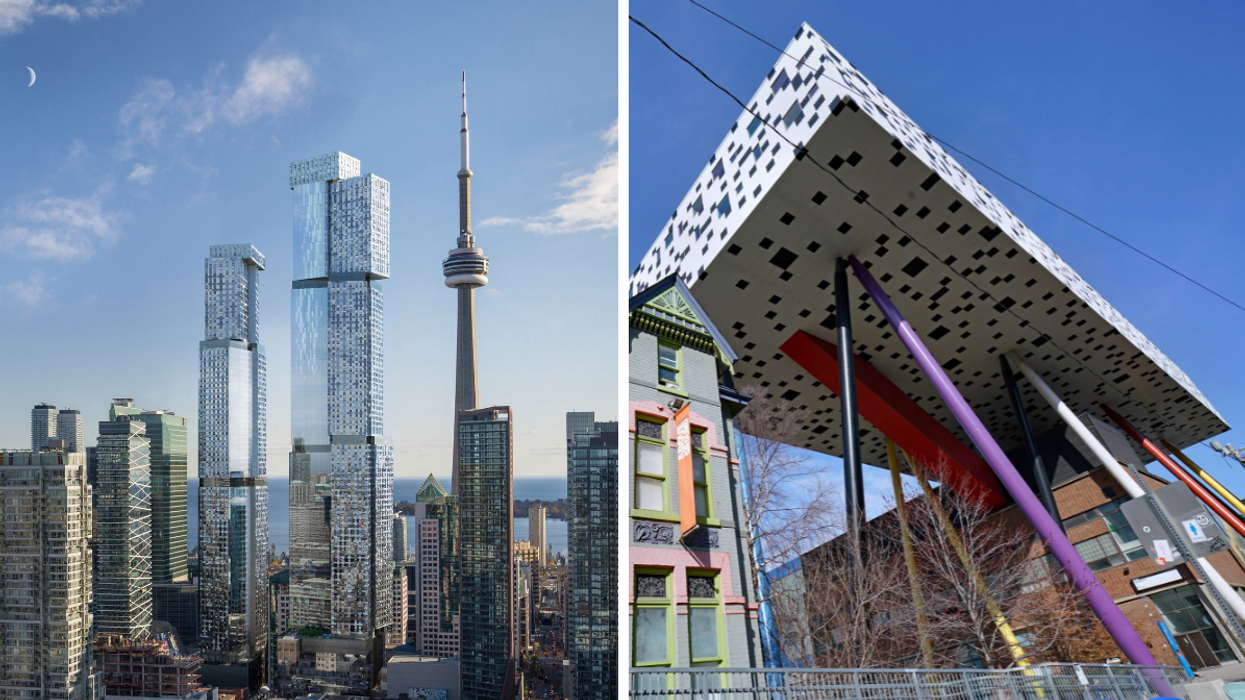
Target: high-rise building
233,486
69,429
167,433
536,531
399,538
341,467
486,505
123,576
42,426
592,595
465,269
46,629
396,633
433,572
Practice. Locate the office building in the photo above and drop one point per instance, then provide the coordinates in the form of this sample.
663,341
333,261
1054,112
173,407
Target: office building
42,426
233,487
178,605
396,633
46,511
166,432
591,595
434,609
123,575
486,503
69,429
341,467
536,531
399,538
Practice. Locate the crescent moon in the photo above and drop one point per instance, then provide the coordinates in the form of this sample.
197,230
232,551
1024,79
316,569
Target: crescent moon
32,75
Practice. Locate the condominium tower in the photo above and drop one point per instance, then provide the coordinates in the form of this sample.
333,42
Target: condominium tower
486,518
46,511
69,429
233,486
123,577
341,467
42,425
592,604
465,269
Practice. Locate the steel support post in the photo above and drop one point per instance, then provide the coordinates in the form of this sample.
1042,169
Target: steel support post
853,480
1103,605
1022,417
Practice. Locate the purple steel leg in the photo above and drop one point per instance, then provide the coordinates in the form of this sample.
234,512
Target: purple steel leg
1103,605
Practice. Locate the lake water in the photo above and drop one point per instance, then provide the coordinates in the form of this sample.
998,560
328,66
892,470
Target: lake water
404,489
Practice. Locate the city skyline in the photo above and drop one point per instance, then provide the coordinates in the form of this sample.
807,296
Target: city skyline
160,152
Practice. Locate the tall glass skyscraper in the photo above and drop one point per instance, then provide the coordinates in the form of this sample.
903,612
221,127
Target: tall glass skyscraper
233,484
592,607
167,434
486,519
341,467
123,579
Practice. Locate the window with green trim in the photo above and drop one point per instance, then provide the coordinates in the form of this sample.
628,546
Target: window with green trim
652,634
706,635
668,373
700,474
651,490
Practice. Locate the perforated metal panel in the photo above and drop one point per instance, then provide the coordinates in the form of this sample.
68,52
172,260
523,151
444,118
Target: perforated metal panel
758,233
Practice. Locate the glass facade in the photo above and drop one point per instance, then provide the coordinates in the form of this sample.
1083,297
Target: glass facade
592,609
233,442
486,502
123,578
341,467
166,433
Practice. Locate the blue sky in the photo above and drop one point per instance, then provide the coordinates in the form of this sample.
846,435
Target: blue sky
157,129
1125,113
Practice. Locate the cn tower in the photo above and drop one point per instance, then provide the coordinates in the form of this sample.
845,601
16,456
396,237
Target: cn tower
465,269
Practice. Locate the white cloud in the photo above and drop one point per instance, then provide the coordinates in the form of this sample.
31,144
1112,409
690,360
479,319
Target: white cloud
591,199
16,15
269,87
29,293
142,173
59,228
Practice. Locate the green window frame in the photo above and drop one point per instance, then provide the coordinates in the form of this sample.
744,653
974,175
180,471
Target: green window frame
702,484
651,615
706,628
651,443
670,367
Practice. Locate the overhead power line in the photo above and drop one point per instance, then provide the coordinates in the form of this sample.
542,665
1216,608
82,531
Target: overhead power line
976,160
1123,391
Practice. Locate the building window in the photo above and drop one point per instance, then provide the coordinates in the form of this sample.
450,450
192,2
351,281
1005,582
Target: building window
668,374
700,475
653,618
705,634
650,466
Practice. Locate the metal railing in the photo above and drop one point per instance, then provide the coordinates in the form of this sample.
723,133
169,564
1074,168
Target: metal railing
1038,682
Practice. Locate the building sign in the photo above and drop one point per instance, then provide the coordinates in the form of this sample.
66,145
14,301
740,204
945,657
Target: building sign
687,483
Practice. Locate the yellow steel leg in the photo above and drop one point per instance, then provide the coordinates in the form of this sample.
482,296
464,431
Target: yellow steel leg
909,554
1227,495
1000,621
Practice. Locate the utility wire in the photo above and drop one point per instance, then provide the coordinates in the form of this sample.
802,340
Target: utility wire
803,153
1030,190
